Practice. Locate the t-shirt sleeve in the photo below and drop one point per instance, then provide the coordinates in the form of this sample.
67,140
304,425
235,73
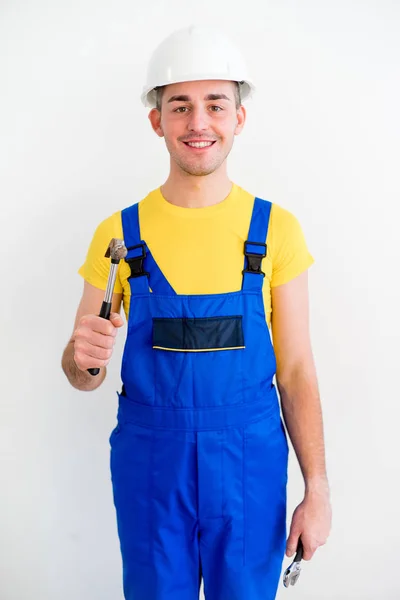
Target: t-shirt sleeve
289,252
96,267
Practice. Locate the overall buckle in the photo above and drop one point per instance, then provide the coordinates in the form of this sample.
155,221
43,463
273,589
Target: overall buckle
136,262
254,259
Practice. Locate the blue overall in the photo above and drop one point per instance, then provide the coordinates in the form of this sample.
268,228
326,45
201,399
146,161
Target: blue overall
199,453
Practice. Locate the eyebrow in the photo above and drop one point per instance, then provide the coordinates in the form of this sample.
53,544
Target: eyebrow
183,98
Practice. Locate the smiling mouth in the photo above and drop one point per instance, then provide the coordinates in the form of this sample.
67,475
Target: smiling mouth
200,145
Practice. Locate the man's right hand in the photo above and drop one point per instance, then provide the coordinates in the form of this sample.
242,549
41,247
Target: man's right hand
94,340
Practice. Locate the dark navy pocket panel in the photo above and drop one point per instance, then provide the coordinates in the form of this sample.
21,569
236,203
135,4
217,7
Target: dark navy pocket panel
198,334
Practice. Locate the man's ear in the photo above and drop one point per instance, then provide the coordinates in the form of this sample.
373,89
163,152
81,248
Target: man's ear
241,119
155,120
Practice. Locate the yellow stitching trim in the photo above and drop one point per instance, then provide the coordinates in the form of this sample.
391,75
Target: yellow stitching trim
200,350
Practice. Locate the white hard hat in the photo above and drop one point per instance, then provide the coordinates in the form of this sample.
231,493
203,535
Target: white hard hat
196,53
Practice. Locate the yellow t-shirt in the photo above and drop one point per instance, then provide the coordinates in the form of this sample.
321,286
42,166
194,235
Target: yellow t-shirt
200,250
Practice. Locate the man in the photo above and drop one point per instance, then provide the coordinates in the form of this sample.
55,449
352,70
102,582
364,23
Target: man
199,454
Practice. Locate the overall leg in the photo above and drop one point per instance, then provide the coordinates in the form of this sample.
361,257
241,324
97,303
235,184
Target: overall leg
243,534
154,486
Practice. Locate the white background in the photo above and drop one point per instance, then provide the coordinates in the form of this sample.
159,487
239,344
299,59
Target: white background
322,140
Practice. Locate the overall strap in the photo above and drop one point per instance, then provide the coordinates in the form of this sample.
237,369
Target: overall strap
145,273
255,247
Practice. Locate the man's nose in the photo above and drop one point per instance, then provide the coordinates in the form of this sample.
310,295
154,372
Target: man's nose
198,120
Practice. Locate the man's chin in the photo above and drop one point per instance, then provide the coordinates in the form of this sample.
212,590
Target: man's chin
199,170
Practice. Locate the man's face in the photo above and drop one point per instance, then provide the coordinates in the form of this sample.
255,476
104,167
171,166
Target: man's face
198,120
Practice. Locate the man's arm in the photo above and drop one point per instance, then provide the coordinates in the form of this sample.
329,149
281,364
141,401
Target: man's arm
301,408
92,341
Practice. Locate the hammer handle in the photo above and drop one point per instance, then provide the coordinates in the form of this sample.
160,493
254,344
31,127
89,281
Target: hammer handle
105,312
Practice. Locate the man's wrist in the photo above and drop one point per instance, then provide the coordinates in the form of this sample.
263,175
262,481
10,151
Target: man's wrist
317,486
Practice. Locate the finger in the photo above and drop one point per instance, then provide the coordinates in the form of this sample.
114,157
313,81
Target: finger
86,335
85,348
310,546
293,540
98,324
85,362
116,320
309,552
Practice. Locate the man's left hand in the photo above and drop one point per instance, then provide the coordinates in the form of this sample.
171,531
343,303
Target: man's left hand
312,522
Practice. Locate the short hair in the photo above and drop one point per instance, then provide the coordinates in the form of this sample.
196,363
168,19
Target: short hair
160,91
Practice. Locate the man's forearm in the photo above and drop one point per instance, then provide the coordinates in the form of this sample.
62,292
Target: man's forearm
301,408
81,380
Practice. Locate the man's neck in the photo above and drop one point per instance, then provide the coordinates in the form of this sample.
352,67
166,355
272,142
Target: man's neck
189,191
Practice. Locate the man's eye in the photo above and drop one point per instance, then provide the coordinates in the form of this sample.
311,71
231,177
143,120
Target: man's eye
181,109
215,108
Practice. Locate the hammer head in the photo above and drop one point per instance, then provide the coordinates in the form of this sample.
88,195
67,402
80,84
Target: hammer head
116,250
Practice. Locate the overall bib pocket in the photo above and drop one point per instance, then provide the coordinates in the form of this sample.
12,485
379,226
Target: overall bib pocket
190,354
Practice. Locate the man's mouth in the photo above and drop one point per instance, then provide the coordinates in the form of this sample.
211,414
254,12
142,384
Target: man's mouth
200,144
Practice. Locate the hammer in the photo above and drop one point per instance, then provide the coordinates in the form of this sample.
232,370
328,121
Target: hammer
116,251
